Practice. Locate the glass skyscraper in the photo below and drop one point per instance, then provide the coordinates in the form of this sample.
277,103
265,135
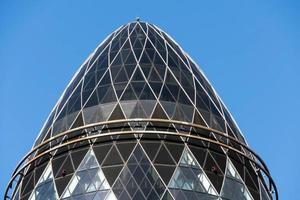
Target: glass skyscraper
139,120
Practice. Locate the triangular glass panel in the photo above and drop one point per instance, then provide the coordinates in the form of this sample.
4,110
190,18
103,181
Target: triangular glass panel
100,195
112,173
163,157
111,196
158,61
148,45
113,158
128,107
139,178
145,69
121,77
47,175
89,161
129,68
61,168
198,119
114,70
188,112
57,162
125,149
254,192
217,121
88,178
140,35
89,81
101,151
189,89
77,156
183,112
233,180
138,111
115,45
138,88
170,80
175,150
29,186
190,176
125,47
164,164
45,188
131,27
109,96
213,172
183,99
158,41
117,113
101,68
144,26
154,77
148,106
105,79
158,113
129,94
78,121
165,171
187,160
172,61
93,100
99,95
137,76
139,29
92,114
166,95
151,148
219,157
39,169
106,109
156,87
144,58
167,196
136,42
179,194
130,60
202,100
151,53
146,94
174,89
119,88
137,53
117,60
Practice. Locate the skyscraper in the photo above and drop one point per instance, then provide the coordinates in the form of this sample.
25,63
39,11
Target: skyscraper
139,120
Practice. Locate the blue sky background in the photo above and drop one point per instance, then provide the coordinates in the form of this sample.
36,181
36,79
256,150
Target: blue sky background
249,50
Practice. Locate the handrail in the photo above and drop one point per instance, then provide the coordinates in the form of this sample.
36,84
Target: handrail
222,134
22,164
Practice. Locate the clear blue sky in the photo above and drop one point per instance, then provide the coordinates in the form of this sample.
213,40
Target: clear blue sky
249,50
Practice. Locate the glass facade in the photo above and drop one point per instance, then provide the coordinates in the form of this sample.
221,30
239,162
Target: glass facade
139,120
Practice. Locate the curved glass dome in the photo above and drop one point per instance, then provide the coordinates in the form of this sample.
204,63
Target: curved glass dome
139,120
139,72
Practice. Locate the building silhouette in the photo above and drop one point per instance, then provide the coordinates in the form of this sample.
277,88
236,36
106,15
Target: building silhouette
139,120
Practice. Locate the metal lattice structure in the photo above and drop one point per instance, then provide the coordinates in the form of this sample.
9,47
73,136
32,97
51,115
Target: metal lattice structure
139,120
